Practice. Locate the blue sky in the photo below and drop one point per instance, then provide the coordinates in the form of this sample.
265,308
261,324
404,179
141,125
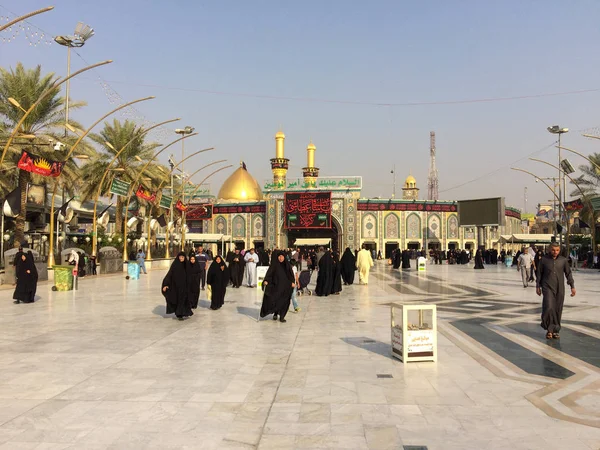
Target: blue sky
391,52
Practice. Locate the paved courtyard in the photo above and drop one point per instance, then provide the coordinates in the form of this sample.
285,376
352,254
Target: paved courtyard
103,368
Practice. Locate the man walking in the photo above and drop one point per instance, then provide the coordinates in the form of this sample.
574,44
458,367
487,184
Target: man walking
251,259
364,262
531,251
526,265
201,260
550,282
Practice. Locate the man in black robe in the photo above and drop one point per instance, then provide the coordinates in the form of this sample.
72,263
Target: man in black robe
551,283
325,277
236,268
348,266
278,286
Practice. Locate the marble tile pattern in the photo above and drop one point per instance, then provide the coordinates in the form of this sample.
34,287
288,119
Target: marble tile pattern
104,368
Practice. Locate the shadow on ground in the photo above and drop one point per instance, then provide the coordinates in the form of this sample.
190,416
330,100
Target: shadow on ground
371,345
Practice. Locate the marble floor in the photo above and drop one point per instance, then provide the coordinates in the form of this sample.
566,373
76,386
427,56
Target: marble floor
104,368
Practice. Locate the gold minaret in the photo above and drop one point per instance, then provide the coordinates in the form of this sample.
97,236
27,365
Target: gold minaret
310,172
279,164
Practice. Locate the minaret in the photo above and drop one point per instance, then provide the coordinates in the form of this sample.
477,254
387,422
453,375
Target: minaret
279,164
432,180
310,172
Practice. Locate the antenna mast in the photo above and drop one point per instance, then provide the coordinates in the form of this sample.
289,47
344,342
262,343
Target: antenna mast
432,180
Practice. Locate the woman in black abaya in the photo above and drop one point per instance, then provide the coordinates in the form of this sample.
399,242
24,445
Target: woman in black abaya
479,260
337,275
27,277
217,279
175,288
278,286
193,280
405,259
325,277
348,266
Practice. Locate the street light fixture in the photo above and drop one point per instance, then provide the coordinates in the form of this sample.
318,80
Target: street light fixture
80,36
555,129
13,102
182,132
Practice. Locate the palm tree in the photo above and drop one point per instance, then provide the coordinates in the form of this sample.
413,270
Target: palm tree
128,164
26,86
589,182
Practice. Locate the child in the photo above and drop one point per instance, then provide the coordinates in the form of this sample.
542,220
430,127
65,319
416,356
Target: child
294,264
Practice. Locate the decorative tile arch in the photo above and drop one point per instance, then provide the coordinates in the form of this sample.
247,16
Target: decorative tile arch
258,225
221,225
413,226
391,226
238,226
369,226
434,227
452,227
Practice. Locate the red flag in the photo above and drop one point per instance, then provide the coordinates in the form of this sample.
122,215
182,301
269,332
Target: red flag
145,194
39,165
180,206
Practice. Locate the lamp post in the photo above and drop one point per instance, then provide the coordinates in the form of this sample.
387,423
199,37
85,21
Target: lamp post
183,131
141,171
42,96
117,154
82,33
25,17
555,129
393,171
81,137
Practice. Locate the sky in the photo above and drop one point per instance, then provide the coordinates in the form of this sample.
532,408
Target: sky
365,81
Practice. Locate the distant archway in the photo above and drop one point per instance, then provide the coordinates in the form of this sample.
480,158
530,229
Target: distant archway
334,233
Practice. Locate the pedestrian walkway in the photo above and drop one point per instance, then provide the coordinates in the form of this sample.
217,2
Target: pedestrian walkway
104,368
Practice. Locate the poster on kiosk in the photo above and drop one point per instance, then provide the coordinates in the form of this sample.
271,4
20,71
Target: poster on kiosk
261,271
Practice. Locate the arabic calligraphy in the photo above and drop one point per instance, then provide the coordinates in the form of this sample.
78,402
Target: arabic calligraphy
367,205
308,210
333,183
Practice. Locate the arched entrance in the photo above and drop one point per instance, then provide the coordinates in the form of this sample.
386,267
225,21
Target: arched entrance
334,233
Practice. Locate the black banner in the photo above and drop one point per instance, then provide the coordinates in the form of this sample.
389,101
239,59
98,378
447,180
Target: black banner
234,209
366,205
308,210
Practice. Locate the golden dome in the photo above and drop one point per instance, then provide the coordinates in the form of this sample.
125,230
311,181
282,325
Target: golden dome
280,135
240,186
410,180
311,146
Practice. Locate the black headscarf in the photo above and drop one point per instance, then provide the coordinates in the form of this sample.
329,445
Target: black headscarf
193,280
278,290
348,266
27,277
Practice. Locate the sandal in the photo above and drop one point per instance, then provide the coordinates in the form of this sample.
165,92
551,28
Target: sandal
556,335
548,335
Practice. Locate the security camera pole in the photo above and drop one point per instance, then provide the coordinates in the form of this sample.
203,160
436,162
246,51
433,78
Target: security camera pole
183,132
555,129
82,33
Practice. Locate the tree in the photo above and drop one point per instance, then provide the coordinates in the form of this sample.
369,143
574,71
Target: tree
127,165
26,86
589,183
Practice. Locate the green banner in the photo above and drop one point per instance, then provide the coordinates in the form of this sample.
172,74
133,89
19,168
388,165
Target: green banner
596,203
119,187
165,201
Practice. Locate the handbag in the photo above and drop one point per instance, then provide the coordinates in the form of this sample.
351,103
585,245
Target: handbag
208,292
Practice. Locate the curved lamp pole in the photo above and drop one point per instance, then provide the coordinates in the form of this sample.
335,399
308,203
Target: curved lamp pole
133,183
26,16
39,100
583,195
98,191
583,156
81,137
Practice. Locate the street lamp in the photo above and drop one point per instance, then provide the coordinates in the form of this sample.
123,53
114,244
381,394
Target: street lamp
555,129
183,131
82,33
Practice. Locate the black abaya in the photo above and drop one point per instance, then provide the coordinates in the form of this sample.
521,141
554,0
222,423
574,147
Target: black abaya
278,288
177,289
337,275
193,280
325,277
396,259
217,278
348,266
478,260
236,269
405,259
26,279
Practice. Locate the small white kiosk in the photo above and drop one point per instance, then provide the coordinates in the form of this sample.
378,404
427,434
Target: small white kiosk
414,332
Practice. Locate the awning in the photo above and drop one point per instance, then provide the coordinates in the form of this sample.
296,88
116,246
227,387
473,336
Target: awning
526,238
207,237
300,242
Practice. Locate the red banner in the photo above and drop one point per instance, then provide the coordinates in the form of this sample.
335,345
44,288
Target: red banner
40,166
575,205
180,206
308,209
199,212
145,194
241,208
